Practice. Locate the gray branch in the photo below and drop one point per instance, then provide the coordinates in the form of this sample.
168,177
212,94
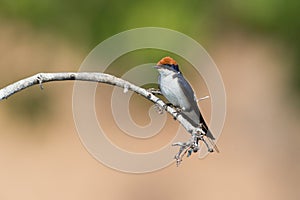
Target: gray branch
196,132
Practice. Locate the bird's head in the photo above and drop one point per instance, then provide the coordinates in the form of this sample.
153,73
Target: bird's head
167,64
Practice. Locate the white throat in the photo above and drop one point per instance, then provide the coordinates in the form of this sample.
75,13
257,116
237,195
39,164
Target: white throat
166,72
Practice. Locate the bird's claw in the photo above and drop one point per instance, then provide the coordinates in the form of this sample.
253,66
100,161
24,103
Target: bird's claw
178,109
154,91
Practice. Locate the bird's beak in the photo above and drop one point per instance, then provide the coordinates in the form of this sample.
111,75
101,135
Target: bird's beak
157,66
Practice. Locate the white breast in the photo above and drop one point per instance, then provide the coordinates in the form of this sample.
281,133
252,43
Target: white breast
171,89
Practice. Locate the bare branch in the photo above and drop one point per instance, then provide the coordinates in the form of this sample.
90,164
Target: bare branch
196,132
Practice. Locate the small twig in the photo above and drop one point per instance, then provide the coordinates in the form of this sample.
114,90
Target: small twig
202,98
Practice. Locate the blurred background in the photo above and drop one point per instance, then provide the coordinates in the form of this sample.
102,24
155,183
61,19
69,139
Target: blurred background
256,47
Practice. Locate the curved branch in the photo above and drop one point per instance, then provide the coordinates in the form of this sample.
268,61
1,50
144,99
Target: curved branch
196,132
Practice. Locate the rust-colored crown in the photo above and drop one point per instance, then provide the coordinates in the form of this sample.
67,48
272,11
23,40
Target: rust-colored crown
167,61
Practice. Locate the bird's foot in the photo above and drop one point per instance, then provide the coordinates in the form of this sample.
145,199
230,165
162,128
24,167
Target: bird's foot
177,111
154,91
168,105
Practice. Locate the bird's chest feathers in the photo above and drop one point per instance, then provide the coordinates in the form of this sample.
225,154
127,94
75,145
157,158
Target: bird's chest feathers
171,89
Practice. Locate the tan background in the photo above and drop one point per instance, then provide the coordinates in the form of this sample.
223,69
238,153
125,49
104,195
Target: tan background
42,157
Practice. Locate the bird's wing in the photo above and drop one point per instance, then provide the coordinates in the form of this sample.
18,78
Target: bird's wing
188,91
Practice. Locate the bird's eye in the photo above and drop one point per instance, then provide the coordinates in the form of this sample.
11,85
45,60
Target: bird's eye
176,67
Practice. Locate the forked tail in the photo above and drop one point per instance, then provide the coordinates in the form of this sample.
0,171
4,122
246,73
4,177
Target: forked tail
210,137
213,144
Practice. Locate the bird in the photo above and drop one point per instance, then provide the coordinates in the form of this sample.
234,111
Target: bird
178,91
